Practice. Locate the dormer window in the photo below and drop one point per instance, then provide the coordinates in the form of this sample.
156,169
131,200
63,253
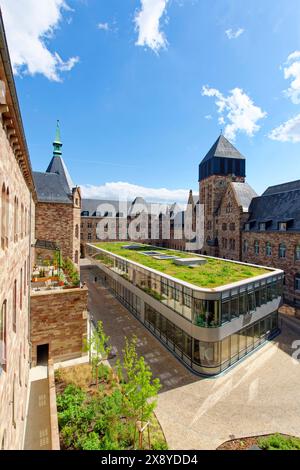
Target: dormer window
262,226
85,213
282,226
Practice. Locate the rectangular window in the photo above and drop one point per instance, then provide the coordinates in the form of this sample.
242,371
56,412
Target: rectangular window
15,306
282,226
3,338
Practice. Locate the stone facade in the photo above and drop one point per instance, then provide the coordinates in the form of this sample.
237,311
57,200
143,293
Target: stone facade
16,232
290,265
229,223
59,319
215,195
60,224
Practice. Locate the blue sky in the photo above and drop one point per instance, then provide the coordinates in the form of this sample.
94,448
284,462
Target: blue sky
143,87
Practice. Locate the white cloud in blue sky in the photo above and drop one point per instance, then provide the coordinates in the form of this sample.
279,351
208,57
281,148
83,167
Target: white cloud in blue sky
28,24
127,191
292,72
148,24
231,34
237,111
288,131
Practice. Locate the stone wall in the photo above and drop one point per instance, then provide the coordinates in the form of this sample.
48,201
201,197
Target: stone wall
14,271
57,223
211,192
287,264
229,223
59,318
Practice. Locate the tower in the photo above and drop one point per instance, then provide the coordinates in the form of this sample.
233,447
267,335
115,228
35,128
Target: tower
59,205
222,165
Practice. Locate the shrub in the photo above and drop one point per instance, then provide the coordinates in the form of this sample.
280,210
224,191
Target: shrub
279,442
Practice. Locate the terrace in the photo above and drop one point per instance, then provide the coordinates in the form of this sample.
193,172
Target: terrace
52,273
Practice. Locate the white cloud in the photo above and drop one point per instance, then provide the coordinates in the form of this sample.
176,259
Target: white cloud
29,25
127,191
231,34
237,110
292,71
288,131
103,26
208,117
147,22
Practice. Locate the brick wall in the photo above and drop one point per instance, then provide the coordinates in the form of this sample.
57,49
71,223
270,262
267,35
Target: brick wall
59,318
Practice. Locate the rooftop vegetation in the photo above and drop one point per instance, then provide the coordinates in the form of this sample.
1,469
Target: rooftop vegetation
214,273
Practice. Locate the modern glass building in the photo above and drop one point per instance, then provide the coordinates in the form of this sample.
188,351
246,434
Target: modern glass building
208,328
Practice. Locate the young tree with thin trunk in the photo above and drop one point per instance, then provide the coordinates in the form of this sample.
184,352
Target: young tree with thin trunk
98,347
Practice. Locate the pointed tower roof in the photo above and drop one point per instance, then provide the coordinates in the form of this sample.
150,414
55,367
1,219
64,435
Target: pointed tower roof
224,149
222,159
57,165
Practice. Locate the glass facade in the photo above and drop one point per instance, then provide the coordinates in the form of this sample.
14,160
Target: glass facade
210,358
206,358
184,301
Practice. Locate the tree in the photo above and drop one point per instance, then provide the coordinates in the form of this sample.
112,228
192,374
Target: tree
97,345
140,388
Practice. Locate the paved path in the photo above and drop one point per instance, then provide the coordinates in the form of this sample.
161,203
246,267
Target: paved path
259,396
38,431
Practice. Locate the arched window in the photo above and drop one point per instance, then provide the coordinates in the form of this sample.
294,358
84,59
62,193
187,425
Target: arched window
25,277
245,246
256,247
76,257
297,253
282,250
21,289
22,221
3,338
15,306
3,216
7,218
268,249
16,219
297,282
77,231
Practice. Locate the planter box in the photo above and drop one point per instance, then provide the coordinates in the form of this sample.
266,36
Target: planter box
44,279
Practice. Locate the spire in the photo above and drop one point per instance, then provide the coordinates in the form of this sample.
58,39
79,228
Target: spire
57,145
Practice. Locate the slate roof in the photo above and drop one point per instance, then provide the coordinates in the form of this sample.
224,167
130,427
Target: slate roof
279,203
280,188
244,194
50,188
57,165
92,206
224,149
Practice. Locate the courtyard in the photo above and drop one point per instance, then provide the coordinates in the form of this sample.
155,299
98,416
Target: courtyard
258,396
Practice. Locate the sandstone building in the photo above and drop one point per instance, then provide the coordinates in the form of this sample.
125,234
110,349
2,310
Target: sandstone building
47,206
58,206
239,225
17,230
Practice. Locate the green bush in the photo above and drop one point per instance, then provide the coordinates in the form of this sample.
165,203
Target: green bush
279,442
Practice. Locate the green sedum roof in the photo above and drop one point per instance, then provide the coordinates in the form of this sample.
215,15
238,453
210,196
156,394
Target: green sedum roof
215,273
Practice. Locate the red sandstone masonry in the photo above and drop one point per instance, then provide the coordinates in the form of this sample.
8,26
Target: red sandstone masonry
59,318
